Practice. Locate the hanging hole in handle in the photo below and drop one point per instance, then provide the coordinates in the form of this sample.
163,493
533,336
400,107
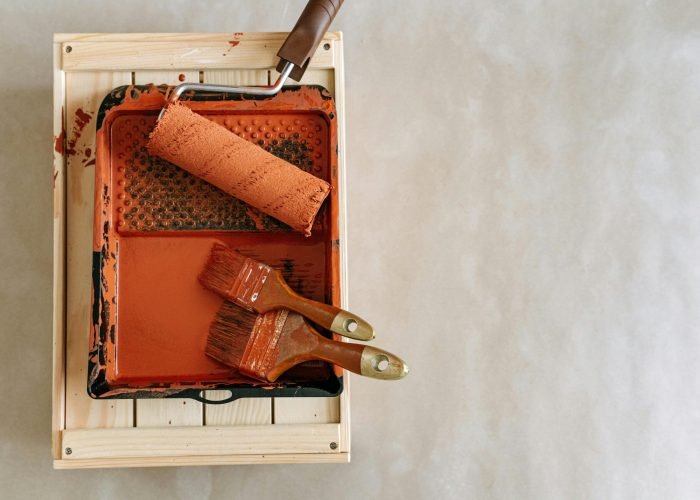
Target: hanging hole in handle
380,363
350,325
202,399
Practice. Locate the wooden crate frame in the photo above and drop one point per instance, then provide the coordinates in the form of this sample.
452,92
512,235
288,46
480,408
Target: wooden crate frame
87,433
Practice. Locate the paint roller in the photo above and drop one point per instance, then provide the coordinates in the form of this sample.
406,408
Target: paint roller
235,165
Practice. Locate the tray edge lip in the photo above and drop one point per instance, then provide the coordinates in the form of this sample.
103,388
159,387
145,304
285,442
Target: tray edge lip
98,385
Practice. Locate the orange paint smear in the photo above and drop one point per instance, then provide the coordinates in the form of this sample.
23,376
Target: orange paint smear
59,143
82,118
135,98
234,43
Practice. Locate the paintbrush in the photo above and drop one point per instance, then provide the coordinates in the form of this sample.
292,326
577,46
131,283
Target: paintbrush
258,287
264,346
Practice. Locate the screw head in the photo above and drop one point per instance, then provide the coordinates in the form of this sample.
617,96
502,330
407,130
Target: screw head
334,445
69,49
69,451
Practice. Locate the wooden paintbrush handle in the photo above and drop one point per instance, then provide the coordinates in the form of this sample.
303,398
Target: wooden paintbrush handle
333,318
362,359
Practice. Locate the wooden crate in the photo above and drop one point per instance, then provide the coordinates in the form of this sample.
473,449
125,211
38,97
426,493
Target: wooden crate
129,433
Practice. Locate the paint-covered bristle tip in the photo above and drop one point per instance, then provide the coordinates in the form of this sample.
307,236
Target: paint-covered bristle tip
221,269
229,334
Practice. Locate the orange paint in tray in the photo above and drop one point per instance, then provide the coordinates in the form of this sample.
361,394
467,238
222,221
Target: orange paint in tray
154,228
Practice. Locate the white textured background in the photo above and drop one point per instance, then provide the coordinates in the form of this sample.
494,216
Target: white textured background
524,227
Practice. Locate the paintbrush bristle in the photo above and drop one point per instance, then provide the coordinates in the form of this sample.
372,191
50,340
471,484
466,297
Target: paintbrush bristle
221,269
229,334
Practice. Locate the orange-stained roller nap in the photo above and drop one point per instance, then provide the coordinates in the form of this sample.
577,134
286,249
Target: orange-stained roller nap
238,167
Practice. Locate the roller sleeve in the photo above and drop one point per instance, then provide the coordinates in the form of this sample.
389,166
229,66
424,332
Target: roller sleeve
238,167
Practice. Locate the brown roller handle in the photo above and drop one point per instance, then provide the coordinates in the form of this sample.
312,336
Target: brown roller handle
365,360
303,40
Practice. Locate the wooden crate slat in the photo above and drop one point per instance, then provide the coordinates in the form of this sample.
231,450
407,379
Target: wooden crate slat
307,410
248,411
265,36
121,56
173,77
58,416
168,412
325,77
236,76
84,93
270,458
194,441
339,95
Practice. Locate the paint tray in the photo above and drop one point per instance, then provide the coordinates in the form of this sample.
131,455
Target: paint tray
155,225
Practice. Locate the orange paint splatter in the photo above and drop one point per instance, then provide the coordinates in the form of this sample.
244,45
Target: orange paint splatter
59,143
82,118
236,40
